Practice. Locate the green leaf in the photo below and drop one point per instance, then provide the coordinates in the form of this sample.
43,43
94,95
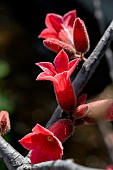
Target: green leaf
4,69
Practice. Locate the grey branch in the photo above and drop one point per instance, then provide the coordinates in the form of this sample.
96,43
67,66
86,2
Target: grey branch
10,156
15,161
87,69
57,165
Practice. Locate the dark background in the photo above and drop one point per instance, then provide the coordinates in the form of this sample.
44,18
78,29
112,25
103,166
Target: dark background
29,102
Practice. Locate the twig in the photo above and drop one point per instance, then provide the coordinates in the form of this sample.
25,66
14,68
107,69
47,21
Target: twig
15,161
58,165
87,69
10,156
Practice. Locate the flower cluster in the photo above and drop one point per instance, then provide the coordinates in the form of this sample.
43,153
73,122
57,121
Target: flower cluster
67,32
68,37
60,35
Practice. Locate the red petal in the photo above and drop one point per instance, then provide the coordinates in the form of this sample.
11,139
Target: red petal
39,129
56,46
82,99
47,67
81,39
72,65
30,141
35,156
61,62
47,33
54,22
69,18
44,76
47,152
65,93
62,81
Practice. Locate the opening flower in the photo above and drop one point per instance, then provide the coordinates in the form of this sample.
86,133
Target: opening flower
43,144
59,74
67,32
59,27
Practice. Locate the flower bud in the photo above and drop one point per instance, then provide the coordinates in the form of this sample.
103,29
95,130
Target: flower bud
80,36
4,122
62,129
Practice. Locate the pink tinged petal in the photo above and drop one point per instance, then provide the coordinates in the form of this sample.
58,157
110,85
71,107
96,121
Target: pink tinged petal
80,35
54,22
62,133
109,167
61,62
42,76
56,46
82,99
109,114
62,81
65,93
69,18
47,33
39,129
72,65
47,67
81,111
66,36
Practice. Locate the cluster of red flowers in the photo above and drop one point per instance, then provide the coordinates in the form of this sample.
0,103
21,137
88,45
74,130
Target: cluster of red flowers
68,36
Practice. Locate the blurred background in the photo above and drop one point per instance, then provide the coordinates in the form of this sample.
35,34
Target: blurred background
29,102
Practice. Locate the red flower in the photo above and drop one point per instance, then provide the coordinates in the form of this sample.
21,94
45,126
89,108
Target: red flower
59,74
67,32
43,144
58,26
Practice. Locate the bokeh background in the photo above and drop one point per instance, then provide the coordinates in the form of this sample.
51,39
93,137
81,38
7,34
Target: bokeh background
29,102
